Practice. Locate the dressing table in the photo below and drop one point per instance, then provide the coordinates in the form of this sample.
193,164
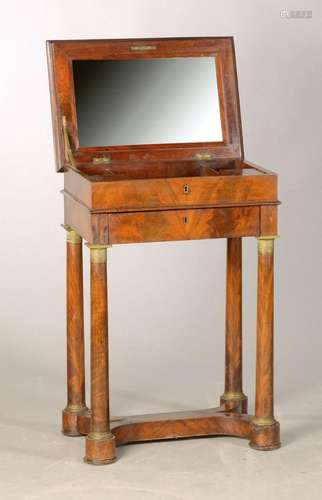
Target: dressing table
148,136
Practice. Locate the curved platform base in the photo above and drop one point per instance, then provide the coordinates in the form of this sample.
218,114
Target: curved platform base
176,425
100,450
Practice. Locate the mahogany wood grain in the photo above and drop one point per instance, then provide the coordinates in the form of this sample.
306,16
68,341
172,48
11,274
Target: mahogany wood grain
265,437
105,194
268,220
75,335
233,380
174,425
265,427
160,193
216,425
265,326
99,348
94,227
124,170
61,53
100,446
185,424
163,192
183,224
233,347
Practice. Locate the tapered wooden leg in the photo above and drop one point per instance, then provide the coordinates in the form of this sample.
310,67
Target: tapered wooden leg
100,442
265,429
75,336
233,396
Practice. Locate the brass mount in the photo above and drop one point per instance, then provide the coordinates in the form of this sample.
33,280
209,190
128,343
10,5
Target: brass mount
69,157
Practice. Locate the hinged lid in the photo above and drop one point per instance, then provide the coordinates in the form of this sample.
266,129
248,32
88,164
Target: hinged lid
144,100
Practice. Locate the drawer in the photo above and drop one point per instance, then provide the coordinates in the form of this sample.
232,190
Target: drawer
154,194
169,225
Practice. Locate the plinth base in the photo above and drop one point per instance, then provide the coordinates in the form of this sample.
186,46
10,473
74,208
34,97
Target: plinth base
100,449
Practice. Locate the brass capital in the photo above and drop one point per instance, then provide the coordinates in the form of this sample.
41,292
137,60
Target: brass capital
265,244
98,253
72,236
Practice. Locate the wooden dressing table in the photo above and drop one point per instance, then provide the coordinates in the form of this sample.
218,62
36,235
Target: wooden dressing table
148,135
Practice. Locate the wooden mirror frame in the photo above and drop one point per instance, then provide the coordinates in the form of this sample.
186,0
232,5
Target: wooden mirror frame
61,55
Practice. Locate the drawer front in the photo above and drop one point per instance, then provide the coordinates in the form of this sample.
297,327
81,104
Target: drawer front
181,193
170,225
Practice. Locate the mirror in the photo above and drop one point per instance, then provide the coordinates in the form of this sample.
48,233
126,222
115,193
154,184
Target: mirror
147,101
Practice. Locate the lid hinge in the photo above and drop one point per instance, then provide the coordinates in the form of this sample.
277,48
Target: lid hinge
204,156
97,160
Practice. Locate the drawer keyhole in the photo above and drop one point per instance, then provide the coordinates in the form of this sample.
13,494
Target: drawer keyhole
185,219
186,189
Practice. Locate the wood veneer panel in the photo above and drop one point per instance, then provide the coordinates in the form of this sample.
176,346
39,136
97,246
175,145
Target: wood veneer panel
62,53
269,220
183,225
167,193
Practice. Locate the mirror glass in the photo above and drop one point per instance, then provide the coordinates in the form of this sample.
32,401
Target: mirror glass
147,101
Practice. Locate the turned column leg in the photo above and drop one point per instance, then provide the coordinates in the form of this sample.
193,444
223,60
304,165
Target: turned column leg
265,429
75,336
233,397
100,442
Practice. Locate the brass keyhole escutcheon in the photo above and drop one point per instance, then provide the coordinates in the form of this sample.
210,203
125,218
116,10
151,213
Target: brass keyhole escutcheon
186,189
185,219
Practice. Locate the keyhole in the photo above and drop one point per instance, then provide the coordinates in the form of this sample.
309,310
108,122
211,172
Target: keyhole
186,189
185,219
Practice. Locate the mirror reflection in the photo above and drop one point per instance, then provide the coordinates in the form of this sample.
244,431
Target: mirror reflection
147,101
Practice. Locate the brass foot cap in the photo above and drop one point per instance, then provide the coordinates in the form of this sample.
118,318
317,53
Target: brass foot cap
99,462
271,447
71,433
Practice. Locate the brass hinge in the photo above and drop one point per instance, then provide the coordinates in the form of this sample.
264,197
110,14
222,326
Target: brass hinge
97,160
69,157
205,156
142,48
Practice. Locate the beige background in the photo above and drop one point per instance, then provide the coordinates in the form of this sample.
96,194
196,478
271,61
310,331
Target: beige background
166,300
